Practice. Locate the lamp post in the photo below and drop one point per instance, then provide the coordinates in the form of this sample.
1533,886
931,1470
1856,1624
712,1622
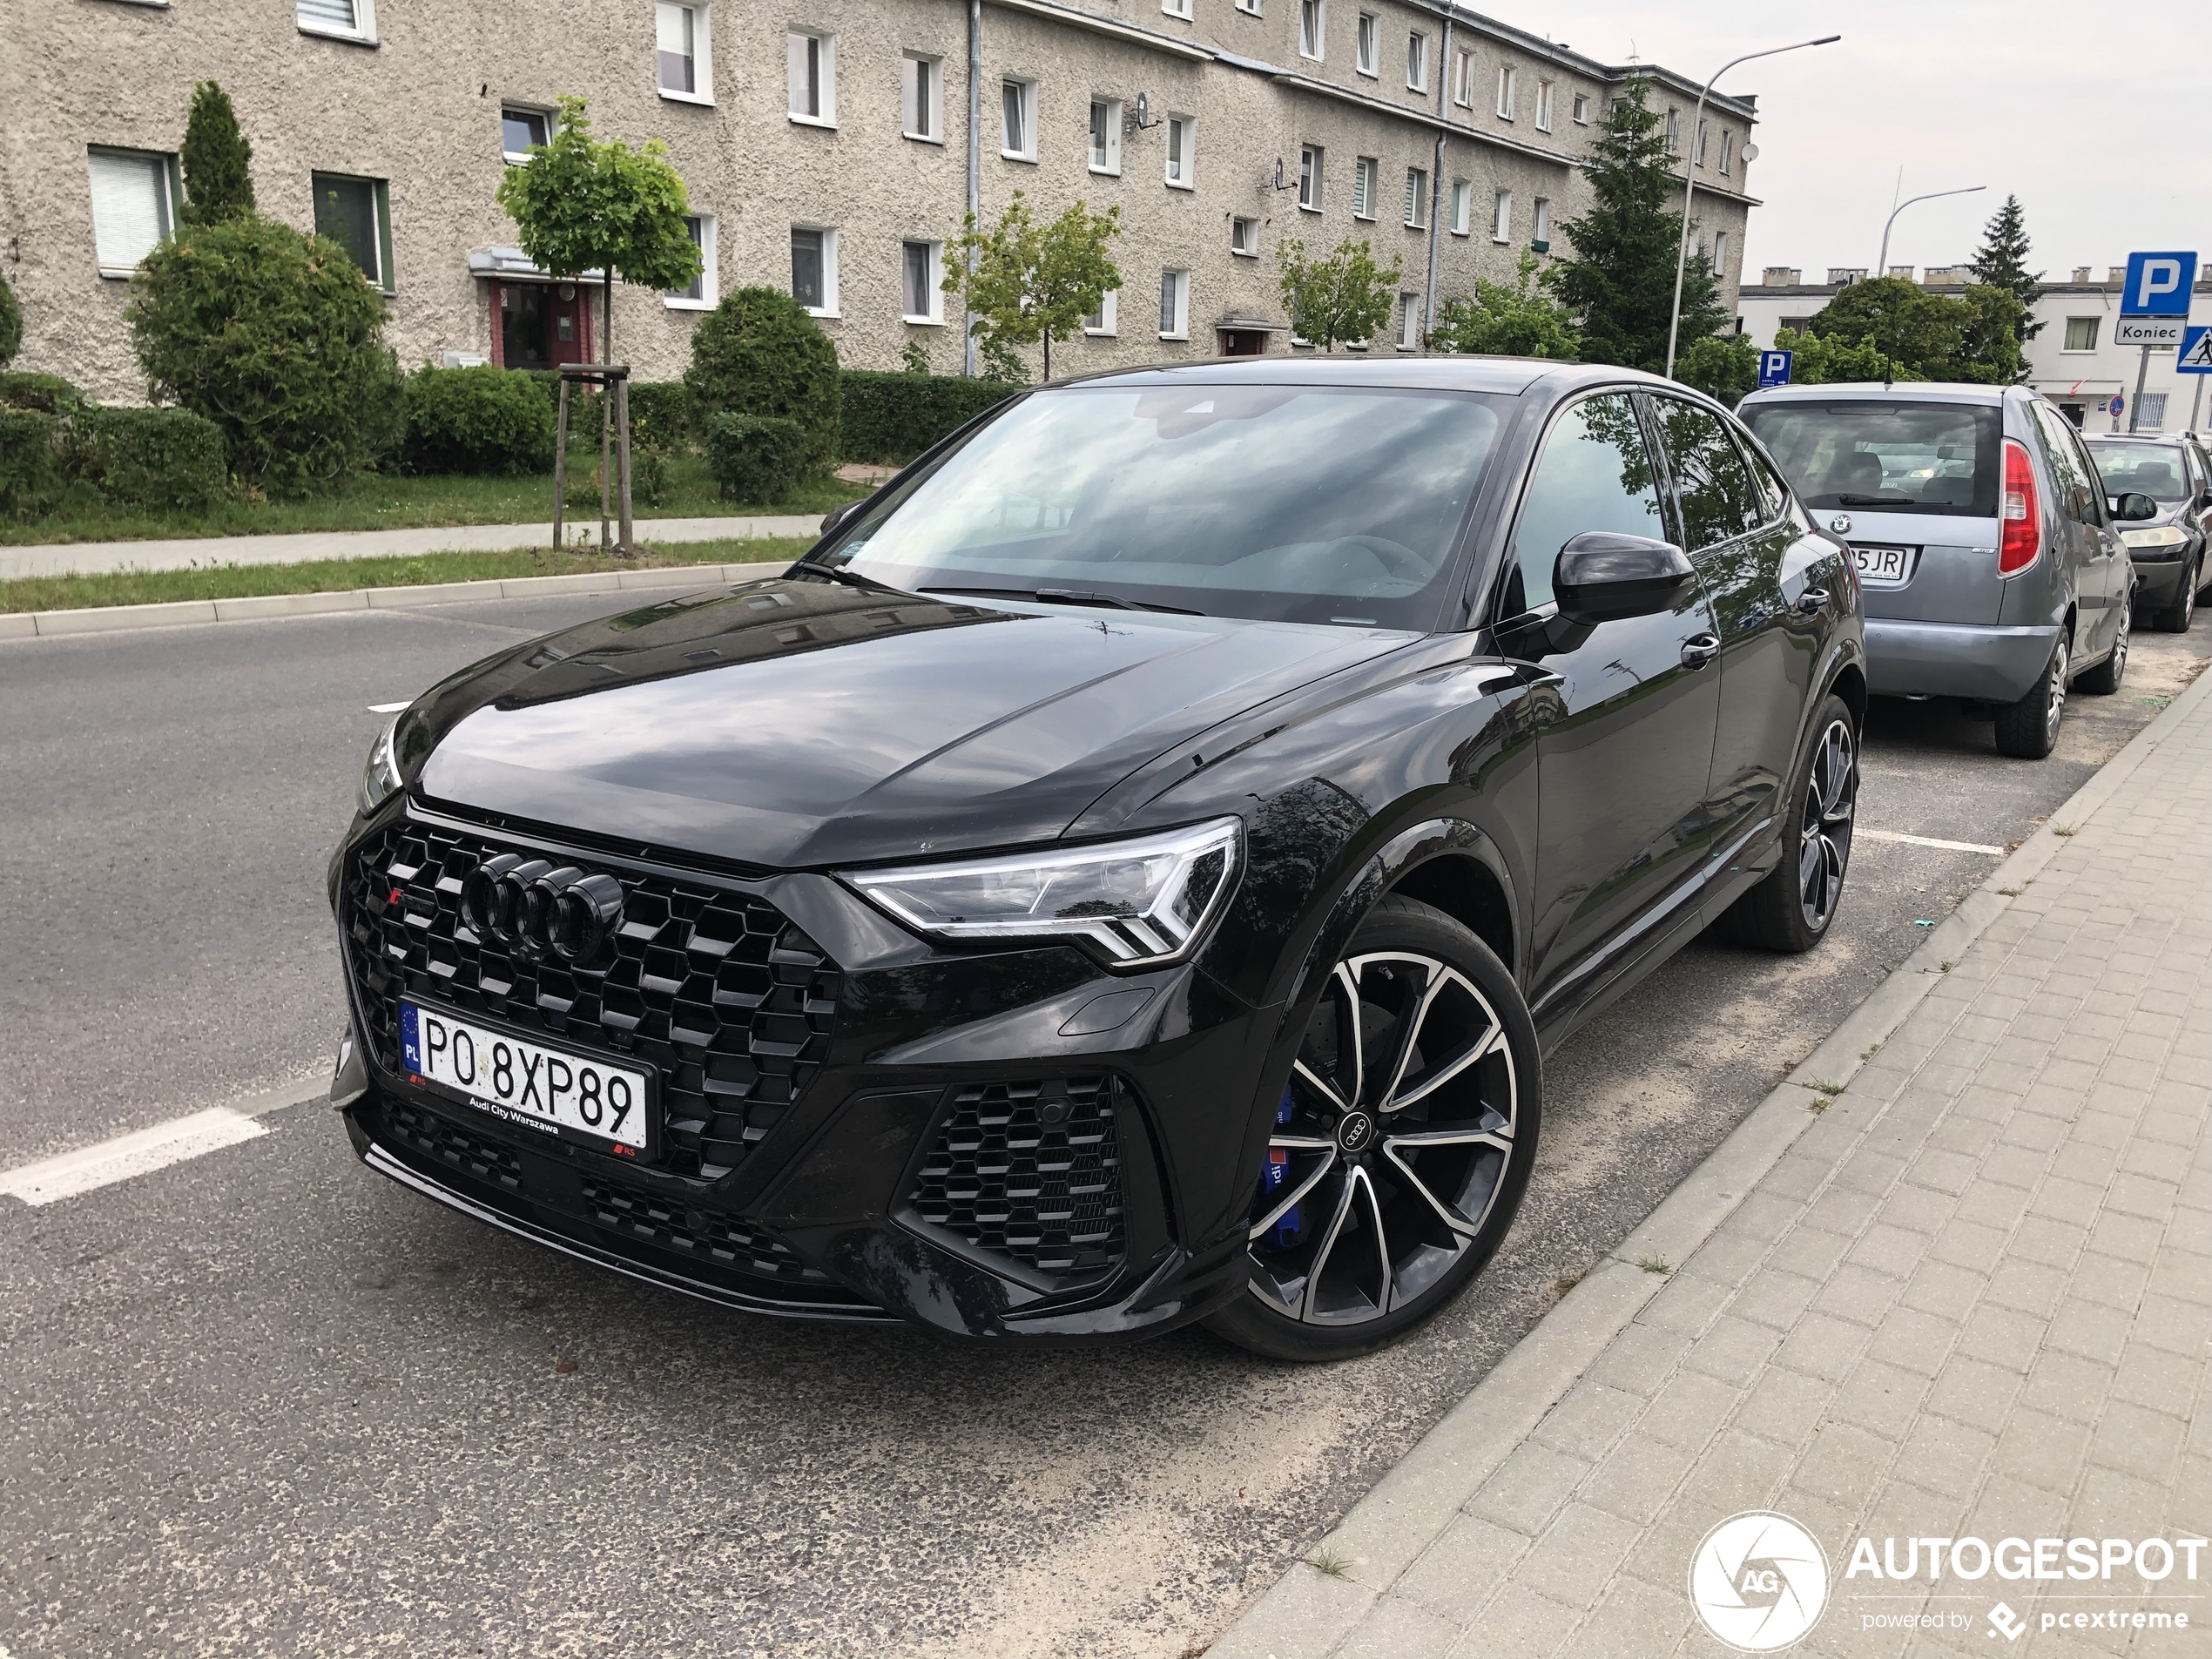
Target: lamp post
1689,179
1882,264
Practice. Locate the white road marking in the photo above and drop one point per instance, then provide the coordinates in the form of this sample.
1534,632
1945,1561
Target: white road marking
91,1168
386,708
1930,840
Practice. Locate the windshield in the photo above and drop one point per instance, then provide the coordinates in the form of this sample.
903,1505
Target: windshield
1299,503
1900,457
2153,469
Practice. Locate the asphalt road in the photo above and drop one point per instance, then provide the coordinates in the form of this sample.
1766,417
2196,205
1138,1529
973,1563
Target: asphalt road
264,1402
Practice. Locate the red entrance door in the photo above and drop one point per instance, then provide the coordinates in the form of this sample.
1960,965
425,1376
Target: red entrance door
539,325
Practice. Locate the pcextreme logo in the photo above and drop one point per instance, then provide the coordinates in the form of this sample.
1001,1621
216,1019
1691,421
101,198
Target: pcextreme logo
1758,1582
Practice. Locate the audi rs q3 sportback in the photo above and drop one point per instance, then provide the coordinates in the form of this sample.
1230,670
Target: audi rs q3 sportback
1129,872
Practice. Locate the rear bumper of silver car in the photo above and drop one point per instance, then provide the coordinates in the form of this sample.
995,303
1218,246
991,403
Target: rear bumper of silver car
1990,665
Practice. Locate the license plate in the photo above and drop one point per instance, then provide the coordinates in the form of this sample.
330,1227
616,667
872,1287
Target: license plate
1879,564
523,1083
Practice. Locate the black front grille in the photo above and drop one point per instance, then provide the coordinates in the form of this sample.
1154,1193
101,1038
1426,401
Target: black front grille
716,989
1030,1170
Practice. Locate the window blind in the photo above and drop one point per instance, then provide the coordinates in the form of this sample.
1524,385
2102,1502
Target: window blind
130,208
343,16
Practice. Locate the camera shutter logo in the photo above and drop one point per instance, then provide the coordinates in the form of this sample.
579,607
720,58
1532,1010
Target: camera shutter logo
1759,1582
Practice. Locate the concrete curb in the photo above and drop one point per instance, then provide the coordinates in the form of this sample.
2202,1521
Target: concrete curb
107,619
1306,1614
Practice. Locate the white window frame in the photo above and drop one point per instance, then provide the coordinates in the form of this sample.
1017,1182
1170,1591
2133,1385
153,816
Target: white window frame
1728,151
1543,107
1719,255
1463,79
1312,29
1187,127
363,33
1312,168
1673,132
545,118
1508,93
825,69
1177,9
922,88
710,294
1243,237
1025,89
380,214
1111,167
702,55
1366,175
1501,216
1580,110
167,209
1540,219
1705,140
2082,351
1364,48
1180,312
933,253
1416,60
1416,198
1250,7
828,307
2150,413
1108,326
1462,206
1409,321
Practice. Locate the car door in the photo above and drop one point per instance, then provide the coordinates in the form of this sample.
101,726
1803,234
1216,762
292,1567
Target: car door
2100,580
1626,741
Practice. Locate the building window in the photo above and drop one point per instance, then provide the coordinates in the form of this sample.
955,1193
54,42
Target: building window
1540,221
1462,206
1720,254
1409,321
1105,322
1310,156
1177,8
1463,79
921,98
810,66
1310,22
1364,169
813,269
1175,305
2150,411
2080,333
1018,118
680,56
1243,237
354,213
1507,92
1501,217
1250,6
1363,44
1183,152
1106,135
1416,198
702,294
1704,131
1674,132
1417,62
518,131
1543,107
1728,150
340,19
1581,109
135,197
920,269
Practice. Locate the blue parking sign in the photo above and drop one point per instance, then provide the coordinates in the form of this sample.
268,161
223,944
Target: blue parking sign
1774,368
2158,285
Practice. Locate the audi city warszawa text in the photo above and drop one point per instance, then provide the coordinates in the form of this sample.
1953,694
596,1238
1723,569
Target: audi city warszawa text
1129,872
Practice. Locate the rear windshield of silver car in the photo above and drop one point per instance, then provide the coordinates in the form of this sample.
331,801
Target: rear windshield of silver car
2153,469
1297,503
1906,456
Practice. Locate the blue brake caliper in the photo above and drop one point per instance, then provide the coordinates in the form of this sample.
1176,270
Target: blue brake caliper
1283,1234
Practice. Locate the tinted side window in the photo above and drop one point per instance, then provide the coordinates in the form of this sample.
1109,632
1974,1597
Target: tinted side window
1712,485
1769,483
2070,474
1594,475
2093,493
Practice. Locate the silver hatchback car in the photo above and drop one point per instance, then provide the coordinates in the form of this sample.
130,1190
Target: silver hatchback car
1992,568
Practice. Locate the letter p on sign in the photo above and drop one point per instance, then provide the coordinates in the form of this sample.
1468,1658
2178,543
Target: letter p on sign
2158,285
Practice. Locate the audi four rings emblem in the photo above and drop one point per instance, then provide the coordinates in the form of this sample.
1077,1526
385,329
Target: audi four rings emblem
537,906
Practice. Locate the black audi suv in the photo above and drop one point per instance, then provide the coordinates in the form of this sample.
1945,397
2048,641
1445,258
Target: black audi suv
1129,872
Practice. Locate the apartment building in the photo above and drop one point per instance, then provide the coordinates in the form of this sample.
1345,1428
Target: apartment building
831,147
2071,359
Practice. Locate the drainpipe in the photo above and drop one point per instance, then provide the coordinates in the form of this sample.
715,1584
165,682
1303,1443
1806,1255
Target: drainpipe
1436,184
974,158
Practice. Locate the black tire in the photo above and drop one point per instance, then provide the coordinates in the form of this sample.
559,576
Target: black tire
2028,729
1436,1178
2175,618
2104,679
1790,910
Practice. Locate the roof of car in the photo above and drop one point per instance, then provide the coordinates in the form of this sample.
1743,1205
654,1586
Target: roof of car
1939,391
2172,439
1506,375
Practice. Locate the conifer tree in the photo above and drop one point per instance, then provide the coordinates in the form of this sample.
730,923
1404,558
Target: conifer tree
219,182
2001,262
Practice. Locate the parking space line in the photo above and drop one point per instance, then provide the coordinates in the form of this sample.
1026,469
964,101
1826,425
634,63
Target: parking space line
92,1167
1930,840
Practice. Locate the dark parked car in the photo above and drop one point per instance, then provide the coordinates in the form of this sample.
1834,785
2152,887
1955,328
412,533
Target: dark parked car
1129,872
2168,548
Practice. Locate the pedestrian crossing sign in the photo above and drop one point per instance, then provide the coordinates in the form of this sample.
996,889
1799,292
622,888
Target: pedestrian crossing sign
2194,356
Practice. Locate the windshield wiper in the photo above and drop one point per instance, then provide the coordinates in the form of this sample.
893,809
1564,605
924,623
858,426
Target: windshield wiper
1068,597
851,579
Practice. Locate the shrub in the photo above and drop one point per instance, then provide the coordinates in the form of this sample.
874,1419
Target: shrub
10,323
158,458
895,417
660,416
30,463
276,338
756,458
218,179
46,393
482,419
648,472
759,353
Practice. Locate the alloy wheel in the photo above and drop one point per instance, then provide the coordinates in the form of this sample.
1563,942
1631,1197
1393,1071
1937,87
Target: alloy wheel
2055,706
1831,800
1391,1145
2120,644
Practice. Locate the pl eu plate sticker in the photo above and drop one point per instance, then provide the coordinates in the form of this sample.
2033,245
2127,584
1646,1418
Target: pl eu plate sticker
410,1046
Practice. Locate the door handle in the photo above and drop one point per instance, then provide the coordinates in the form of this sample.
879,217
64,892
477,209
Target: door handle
1699,649
1811,600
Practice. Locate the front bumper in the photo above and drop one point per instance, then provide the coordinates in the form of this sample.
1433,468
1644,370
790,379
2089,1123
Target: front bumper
2158,574
886,1131
1988,664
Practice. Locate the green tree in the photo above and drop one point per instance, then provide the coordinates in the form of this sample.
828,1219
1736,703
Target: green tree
218,178
1619,280
1990,337
1721,366
581,204
1345,297
1033,282
2001,262
1503,322
10,323
1819,360
1928,336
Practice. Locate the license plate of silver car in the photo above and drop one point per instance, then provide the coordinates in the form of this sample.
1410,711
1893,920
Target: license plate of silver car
1879,564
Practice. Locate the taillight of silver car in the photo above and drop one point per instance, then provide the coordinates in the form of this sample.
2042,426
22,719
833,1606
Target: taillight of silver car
2023,537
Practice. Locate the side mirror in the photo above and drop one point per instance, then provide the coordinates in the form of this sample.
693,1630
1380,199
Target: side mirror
843,512
2135,505
1604,575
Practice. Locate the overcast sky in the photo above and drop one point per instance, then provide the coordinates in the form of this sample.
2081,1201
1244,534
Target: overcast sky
2099,120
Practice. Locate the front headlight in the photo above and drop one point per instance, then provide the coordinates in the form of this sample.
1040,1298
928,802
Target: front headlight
1136,902
2164,536
382,776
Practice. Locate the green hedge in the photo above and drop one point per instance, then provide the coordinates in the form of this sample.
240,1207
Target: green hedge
150,458
481,419
660,416
756,458
895,417
47,394
31,474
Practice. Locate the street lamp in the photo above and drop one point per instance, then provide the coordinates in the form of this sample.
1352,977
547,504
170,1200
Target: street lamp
1881,265
1689,179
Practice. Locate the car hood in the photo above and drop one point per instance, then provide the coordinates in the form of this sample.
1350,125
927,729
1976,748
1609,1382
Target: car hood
792,724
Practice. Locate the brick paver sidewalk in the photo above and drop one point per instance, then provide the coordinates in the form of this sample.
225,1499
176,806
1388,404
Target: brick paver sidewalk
1971,1299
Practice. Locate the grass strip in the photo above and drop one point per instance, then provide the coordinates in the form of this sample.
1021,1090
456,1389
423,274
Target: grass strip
344,575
